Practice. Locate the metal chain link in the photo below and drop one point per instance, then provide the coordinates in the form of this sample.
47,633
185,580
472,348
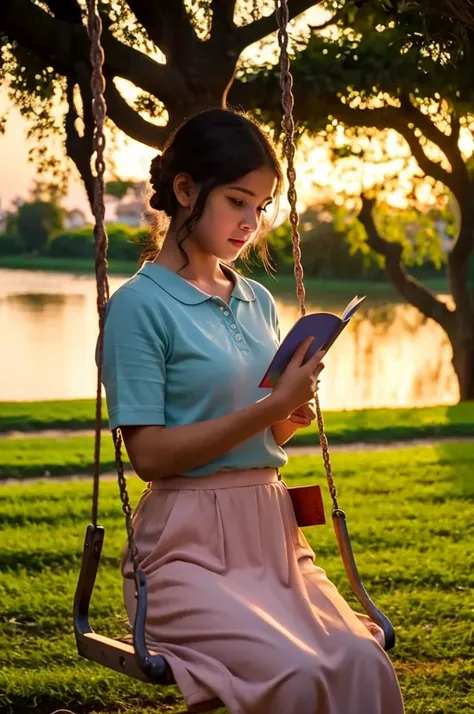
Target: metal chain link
101,240
125,498
94,26
289,150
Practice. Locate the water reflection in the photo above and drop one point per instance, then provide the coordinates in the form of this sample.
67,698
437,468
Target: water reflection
37,302
389,355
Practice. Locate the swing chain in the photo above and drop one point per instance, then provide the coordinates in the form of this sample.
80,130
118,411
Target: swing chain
125,498
101,241
289,150
94,26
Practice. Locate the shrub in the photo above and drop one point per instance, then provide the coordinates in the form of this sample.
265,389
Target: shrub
72,244
37,222
125,243
11,244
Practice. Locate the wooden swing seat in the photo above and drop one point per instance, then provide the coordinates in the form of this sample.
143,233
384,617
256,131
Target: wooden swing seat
119,654
129,654
139,662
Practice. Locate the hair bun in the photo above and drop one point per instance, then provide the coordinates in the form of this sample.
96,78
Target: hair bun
156,172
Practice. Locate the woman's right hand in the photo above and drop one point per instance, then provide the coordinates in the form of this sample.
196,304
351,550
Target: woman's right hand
298,383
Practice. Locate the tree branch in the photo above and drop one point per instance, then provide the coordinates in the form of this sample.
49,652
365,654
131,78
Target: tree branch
149,13
61,44
448,143
339,15
257,30
426,126
222,17
400,120
80,148
130,121
167,24
407,285
67,10
431,168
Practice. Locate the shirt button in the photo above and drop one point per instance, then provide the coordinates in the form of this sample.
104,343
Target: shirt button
233,326
221,308
238,337
226,313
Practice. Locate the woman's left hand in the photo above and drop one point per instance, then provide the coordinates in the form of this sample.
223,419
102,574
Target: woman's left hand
304,415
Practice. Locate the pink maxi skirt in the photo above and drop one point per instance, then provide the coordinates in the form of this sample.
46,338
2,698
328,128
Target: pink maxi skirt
240,611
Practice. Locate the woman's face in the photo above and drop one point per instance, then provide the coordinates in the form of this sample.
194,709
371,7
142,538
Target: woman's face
233,214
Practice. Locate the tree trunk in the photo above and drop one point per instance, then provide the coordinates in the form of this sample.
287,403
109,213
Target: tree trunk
461,329
462,343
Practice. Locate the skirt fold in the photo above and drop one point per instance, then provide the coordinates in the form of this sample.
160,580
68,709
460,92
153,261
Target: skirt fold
239,609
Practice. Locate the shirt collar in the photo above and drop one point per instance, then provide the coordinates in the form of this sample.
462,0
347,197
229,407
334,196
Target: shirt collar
186,292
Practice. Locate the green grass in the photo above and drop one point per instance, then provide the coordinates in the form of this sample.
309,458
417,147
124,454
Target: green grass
342,426
64,414
33,456
26,458
411,517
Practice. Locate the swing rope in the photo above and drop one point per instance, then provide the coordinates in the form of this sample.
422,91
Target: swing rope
94,26
139,663
101,242
99,109
289,150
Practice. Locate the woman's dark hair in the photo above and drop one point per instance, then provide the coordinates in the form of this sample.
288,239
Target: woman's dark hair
215,147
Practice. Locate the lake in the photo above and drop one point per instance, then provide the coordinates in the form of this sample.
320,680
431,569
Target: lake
388,356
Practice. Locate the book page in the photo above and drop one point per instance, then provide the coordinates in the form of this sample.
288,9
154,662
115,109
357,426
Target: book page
352,307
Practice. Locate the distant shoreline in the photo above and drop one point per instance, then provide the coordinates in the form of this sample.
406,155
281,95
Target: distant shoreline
281,283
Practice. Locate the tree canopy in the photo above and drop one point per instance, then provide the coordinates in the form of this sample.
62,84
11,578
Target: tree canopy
373,64
176,58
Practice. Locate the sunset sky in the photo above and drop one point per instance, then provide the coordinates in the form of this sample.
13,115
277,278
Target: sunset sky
133,160
314,166
17,175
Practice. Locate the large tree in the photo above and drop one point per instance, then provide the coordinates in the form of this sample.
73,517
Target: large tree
46,56
375,75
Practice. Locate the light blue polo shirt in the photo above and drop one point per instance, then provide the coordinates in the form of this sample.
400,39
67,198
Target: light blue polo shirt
175,355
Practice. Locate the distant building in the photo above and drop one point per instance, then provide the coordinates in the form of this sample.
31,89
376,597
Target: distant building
74,219
3,221
131,213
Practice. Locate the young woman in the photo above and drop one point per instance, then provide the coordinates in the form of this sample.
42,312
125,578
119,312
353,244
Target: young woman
235,603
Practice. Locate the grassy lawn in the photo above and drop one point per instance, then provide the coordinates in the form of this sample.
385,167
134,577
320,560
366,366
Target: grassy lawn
411,516
342,426
33,456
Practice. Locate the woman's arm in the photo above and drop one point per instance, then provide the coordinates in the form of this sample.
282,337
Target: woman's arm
283,431
157,451
299,419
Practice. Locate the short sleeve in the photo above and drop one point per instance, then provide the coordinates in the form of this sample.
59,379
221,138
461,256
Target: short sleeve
134,364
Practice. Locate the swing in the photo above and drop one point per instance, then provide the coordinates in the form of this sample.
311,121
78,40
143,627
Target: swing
130,655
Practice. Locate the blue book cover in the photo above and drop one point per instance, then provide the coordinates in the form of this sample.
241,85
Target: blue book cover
323,326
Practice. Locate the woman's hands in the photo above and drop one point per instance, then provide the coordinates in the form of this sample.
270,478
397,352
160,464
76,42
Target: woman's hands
297,386
303,415
299,419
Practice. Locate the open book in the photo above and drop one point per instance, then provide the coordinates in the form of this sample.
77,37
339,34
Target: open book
323,326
